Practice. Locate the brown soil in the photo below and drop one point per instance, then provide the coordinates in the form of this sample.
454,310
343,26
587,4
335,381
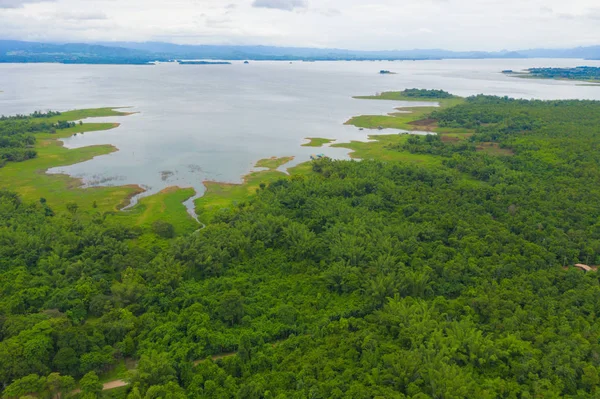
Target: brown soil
494,149
168,190
114,384
424,122
127,200
449,139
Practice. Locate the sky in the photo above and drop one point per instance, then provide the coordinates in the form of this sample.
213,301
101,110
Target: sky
352,24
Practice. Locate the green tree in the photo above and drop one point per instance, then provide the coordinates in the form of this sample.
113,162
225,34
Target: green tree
153,369
90,385
32,384
59,386
231,307
163,229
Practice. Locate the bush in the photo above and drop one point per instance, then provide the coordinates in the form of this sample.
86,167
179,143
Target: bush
163,229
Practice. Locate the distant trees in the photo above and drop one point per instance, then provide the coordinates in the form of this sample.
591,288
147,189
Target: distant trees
577,73
423,93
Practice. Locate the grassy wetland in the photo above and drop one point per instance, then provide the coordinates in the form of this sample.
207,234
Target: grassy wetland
30,180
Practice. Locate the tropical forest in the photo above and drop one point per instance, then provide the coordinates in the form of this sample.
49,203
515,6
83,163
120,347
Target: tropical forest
437,266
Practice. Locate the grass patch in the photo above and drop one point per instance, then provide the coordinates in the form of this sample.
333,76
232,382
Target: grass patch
88,113
30,180
166,206
317,142
378,149
406,118
220,197
273,163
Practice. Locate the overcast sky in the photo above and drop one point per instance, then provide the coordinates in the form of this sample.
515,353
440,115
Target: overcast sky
355,24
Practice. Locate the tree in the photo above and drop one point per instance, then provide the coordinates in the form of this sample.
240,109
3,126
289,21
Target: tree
58,385
153,369
66,361
163,229
90,385
231,307
167,391
72,207
31,384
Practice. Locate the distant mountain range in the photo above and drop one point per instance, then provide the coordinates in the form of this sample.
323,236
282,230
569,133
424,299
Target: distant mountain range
144,53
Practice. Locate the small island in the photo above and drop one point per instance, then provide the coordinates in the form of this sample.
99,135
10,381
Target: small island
317,142
204,63
410,95
580,73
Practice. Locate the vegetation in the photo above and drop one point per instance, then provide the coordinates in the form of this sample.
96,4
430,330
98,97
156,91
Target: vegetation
17,137
445,278
411,95
273,163
583,73
407,118
44,131
222,198
317,142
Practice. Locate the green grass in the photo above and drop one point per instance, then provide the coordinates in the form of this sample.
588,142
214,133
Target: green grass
117,373
222,196
273,163
32,183
166,206
30,180
407,118
88,113
317,142
377,149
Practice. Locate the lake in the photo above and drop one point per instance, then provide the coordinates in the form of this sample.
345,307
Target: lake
213,122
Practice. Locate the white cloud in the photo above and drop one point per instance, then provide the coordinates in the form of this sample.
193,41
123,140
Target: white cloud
356,24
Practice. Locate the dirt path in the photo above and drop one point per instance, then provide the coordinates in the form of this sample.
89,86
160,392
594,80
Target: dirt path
114,384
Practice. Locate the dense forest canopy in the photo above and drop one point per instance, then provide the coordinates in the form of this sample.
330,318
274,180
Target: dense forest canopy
361,280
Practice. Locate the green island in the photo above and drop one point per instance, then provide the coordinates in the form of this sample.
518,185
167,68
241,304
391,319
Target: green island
580,73
317,142
456,265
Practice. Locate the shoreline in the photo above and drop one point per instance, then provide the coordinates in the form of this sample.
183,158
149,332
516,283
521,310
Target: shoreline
78,182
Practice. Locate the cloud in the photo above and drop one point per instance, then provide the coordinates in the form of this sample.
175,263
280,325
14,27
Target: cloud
330,12
286,5
18,3
83,16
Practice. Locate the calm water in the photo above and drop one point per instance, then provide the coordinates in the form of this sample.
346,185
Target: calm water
198,123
